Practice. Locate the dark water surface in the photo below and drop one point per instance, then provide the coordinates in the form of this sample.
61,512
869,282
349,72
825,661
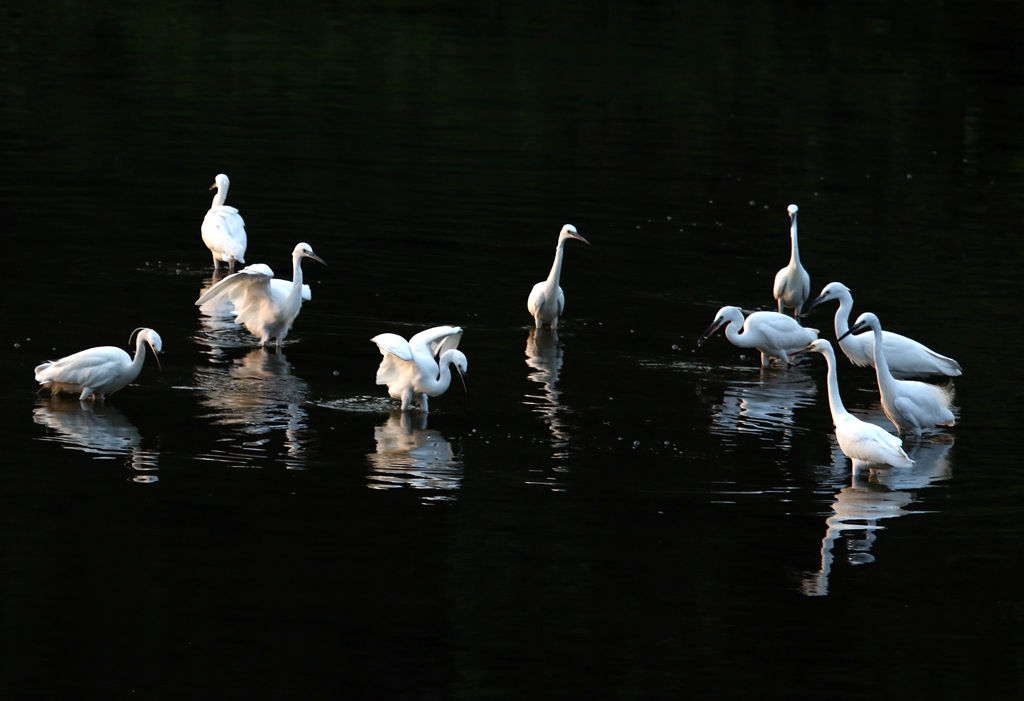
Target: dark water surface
611,513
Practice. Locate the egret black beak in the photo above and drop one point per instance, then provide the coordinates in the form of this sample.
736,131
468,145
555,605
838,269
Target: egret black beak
715,325
156,355
815,302
856,328
317,258
579,236
463,379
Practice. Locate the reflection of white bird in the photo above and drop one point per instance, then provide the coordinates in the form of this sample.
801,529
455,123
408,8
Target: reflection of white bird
913,406
906,357
410,454
864,443
266,307
420,367
223,229
775,335
546,300
792,283
97,372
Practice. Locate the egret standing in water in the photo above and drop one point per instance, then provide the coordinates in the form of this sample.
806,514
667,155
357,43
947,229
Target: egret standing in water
775,335
546,300
265,306
792,283
97,372
913,406
906,357
421,367
223,229
864,443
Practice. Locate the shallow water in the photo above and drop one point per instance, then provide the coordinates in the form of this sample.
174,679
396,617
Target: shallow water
610,511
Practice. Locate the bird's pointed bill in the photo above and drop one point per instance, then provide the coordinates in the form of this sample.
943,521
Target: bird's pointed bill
715,325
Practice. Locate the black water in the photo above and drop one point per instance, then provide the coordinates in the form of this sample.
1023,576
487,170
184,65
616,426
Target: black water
612,514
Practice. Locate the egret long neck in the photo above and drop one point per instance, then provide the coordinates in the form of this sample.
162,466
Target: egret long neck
733,331
882,372
843,315
295,294
835,402
140,356
219,197
556,268
794,256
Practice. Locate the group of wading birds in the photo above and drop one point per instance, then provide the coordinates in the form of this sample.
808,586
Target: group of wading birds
421,367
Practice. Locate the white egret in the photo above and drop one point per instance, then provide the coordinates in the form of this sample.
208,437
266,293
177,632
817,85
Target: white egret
911,405
864,443
420,368
223,228
546,300
792,283
775,335
267,307
100,371
906,357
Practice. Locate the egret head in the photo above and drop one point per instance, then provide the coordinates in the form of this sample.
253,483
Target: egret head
569,232
152,338
817,346
792,209
458,360
865,321
725,316
304,250
833,290
220,182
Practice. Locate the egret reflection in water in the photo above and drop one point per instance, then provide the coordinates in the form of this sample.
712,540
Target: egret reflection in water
544,356
765,406
98,429
410,454
872,496
258,398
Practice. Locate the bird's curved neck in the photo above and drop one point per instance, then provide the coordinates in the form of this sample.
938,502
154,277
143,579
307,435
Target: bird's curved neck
556,268
842,321
882,372
219,197
140,354
737,336
835,402
440,383
794,256
296,290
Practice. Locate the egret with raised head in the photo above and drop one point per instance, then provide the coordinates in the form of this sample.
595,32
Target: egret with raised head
421,367
98,372
913,406
775,335
265,306
792,284
223,228
864,443
546,300
906,357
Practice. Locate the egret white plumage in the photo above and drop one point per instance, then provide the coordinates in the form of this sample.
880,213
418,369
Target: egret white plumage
98,372
546,300
775,335
421,367
792,284
913,406
265,306
864,443
906,357
223,228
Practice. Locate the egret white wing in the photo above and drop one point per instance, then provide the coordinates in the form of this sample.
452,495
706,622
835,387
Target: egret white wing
435,341
89,367
396,352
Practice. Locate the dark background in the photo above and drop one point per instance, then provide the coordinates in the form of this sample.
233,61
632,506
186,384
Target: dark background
617,516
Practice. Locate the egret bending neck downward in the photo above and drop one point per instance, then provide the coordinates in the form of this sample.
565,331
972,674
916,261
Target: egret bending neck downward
220,184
